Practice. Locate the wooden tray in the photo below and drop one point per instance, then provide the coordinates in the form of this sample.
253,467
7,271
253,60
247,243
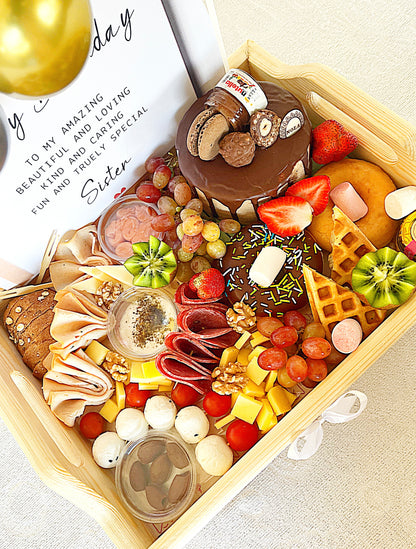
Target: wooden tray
61,456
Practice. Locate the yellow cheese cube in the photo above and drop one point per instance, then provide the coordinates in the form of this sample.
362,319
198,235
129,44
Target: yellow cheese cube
224,421
253,390
97,352
290,396
120,395
149,369
246,408
255,373
242,340
234,397
165,388
257,338
136,372
270,381
256,352
279,400
110,410
148,386
242,357
228,355
266,418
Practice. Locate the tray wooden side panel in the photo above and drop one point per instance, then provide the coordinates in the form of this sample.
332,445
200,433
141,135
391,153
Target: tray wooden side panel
385,138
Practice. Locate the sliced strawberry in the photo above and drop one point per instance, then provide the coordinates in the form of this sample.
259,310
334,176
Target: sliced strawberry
286,215
314,190
331,142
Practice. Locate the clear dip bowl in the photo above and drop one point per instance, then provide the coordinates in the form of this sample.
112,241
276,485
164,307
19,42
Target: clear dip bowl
139,320
136,501
115,237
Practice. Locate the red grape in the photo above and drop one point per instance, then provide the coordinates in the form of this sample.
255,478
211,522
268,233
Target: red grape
283,379
147,192
317,369
174,181
182,193
272,359
309,383
296,367
295,319
162,176
284,336
266,325
163,222
170,237
316,347
334,357
152,163
313,329
190,244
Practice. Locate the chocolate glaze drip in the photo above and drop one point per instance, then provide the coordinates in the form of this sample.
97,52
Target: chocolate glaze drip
267,176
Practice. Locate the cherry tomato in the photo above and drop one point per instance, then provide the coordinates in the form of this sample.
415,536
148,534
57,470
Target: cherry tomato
92,425
136,397
183,395
272,359
241,435
216,405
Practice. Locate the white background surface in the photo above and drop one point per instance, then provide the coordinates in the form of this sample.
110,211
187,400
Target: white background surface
358,491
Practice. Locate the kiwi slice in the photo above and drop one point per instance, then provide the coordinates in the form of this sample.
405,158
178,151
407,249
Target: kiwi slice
153,264
385,278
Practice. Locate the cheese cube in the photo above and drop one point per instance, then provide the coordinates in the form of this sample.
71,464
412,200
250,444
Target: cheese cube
242,340
165,388
97,352
280,400
234,397
257,338
255,373
266,418
136,372
270,381
110,410
246,408
242,357
224,421
118,273
290,396
253,390
148,386
120,395
228,355
256,352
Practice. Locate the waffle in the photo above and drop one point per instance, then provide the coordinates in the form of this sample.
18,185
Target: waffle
349,244
331,303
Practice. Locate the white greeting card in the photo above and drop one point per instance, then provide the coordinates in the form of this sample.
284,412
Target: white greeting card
72,153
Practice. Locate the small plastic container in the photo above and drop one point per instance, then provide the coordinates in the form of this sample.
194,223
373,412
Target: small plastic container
170,503
124,222
139,321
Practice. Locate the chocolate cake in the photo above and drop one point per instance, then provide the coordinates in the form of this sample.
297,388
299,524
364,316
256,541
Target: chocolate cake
227,190
288,290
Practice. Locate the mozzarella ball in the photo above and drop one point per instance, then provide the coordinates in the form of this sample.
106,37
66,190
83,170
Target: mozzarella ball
160,412
131,424
192,424
107,449
213,455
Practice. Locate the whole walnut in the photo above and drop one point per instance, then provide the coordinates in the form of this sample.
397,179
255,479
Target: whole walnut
237,149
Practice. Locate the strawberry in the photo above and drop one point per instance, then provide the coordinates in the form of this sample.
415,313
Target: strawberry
314,190
331,142
286,215
208,284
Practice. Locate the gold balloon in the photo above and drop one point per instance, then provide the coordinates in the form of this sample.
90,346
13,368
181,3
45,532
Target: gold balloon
43,44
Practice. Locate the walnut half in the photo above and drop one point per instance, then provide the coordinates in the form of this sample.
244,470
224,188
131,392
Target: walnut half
230,378
107,293
241,317
117,366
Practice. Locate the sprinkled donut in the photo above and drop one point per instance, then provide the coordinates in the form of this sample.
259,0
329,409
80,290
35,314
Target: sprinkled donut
288,290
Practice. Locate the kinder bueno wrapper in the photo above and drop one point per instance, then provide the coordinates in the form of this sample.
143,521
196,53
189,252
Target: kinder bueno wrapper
244,88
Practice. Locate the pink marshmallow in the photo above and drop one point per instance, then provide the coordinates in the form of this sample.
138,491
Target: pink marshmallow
349,201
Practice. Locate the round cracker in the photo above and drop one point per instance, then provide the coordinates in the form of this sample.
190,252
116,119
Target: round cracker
373,185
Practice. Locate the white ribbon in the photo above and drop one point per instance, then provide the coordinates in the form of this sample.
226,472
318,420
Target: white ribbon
338,412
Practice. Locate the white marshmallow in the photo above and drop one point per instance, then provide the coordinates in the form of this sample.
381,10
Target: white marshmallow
267,266
160,412
401,202
131,424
